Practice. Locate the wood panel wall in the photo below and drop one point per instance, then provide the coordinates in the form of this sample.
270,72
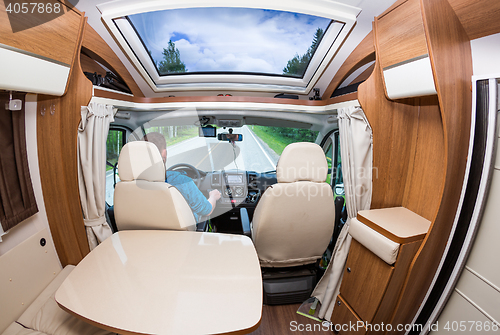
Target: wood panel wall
479,18
420,144
61,30
57,128
451,60
406,134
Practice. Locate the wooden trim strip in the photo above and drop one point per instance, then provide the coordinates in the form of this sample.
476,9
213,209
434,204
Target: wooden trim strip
388,234
76,53
118,96
405,62
343,98
363,76
31,54
341,298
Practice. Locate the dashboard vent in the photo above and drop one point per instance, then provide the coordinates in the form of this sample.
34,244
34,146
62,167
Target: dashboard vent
252,180
216,179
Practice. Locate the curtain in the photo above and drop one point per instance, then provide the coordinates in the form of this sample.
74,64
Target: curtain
92,136
356,153
17,199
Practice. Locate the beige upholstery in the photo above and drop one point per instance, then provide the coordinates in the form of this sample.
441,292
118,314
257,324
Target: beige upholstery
141,160
377,243
44,316
30,275
25,271
17,329
142,198
293,222
302,161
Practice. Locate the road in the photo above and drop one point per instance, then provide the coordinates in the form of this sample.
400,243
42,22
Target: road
210,154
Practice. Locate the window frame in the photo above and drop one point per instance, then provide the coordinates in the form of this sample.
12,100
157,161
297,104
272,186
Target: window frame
124,132
114,17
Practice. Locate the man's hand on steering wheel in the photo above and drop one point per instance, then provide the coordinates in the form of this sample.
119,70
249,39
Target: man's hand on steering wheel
189,167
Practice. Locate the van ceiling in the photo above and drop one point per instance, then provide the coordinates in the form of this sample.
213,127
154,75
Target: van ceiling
363,25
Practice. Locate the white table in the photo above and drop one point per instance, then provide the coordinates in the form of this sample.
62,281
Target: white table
167,282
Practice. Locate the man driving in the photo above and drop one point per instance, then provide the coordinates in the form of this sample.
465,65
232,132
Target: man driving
200,205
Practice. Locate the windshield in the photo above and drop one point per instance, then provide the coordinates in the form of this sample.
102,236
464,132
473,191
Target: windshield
259,150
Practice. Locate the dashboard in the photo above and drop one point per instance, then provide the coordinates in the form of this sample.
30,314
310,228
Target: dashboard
238,188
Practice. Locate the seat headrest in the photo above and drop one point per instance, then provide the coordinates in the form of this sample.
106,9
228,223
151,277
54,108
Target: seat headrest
141,160
302,161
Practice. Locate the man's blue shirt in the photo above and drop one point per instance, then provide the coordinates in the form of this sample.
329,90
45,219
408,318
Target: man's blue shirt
195,199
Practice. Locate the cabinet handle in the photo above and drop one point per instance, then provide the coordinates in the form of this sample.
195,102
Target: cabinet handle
338,302
349,270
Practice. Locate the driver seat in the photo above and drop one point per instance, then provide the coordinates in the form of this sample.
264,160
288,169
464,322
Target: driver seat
142,198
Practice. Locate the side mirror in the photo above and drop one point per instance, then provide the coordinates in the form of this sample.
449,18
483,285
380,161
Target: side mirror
230,137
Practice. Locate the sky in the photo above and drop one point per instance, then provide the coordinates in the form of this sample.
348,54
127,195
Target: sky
229,39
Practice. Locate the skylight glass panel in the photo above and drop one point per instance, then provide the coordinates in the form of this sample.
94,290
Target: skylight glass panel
230,40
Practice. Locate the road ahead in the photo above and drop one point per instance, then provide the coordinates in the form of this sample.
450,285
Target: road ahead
210,154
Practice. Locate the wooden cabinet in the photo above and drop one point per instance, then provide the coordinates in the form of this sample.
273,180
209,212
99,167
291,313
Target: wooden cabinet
38,50
402,51
402,26
352,324
365,278
371,287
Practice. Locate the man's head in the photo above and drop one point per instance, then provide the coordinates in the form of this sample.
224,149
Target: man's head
159,140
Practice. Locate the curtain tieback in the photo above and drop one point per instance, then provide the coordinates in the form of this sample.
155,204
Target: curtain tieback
95,222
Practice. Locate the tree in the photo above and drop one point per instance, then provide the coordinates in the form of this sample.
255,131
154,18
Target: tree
318,35
298,64
171,62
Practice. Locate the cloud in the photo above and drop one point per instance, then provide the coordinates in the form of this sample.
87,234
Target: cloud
229,39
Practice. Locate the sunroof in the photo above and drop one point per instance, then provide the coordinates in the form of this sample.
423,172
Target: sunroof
230,40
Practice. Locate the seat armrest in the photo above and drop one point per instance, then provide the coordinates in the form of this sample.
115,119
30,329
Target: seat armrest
245,222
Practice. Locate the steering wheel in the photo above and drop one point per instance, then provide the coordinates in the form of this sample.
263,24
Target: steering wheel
190,168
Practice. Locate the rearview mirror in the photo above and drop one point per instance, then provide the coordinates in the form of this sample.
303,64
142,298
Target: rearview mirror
230,137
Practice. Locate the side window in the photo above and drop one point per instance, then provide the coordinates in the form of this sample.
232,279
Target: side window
329,159
114,144
338,181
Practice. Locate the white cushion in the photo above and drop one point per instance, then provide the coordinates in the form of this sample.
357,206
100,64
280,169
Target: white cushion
141,160
17,329
45,316
377,243
302,161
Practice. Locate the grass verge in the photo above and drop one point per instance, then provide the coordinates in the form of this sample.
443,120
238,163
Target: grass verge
276,142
